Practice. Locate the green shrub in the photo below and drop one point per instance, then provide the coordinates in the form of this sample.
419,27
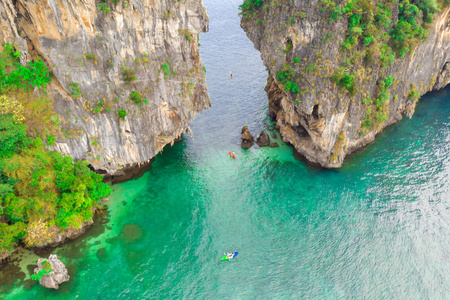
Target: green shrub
345,80
90,56
122,113
292,86
104,8
51,140
35,74
250,6
336,13
137,98
36,184
98,108
74,89
40,274
128,74
165,69
287,73
286,77
413,94
12,135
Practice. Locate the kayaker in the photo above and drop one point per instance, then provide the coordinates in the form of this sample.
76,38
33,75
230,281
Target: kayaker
230,255
231,75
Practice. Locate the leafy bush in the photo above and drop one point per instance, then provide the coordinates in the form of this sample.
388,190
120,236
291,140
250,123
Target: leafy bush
37,184
51,140
122,113
74,89
104,8
286,76
12,135
36,74
137,98
128,74
40,274
14,75
345,80
413,94
249,6
90,56
165,69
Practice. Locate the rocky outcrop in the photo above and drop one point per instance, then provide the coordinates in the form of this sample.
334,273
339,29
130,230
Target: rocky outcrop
40,235
263,139
322,121
139,56
58,274
247,139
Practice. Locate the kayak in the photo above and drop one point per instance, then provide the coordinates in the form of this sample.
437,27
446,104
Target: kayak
234,255
232,155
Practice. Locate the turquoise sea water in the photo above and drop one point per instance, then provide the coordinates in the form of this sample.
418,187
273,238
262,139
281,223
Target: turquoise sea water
377,228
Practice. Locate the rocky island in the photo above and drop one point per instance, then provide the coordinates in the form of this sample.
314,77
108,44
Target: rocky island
51,272
340,72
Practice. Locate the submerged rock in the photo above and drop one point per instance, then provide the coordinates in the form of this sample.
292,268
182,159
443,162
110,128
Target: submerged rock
247,138
58,272
274,145
274,135
263,139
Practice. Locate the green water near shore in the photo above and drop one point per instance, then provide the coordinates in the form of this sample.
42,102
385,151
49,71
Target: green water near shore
377,228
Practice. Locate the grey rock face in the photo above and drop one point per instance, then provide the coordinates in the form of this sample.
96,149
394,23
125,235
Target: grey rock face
263,139
58,275
142,57
323,122
247,139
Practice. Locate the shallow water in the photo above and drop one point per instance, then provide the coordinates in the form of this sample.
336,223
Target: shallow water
377,228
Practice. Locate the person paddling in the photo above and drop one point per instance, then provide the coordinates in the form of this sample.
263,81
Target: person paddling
231,75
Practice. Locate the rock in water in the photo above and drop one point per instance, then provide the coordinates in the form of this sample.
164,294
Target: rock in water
247,138
58,274
274,145
263,139
274,135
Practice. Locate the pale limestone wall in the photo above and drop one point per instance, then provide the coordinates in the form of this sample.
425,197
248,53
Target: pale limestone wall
143,35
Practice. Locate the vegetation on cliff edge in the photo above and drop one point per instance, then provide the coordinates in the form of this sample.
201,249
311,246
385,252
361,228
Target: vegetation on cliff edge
377,33
39,189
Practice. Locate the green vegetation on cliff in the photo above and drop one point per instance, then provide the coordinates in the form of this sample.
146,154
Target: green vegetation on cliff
372,36
375,35
39,189
250,5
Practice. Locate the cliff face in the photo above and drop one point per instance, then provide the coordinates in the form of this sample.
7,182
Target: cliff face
324,122
138,56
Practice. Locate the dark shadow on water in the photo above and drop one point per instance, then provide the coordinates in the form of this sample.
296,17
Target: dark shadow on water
10,276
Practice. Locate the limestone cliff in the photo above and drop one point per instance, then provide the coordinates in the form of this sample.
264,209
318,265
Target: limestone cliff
140,57
322,121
